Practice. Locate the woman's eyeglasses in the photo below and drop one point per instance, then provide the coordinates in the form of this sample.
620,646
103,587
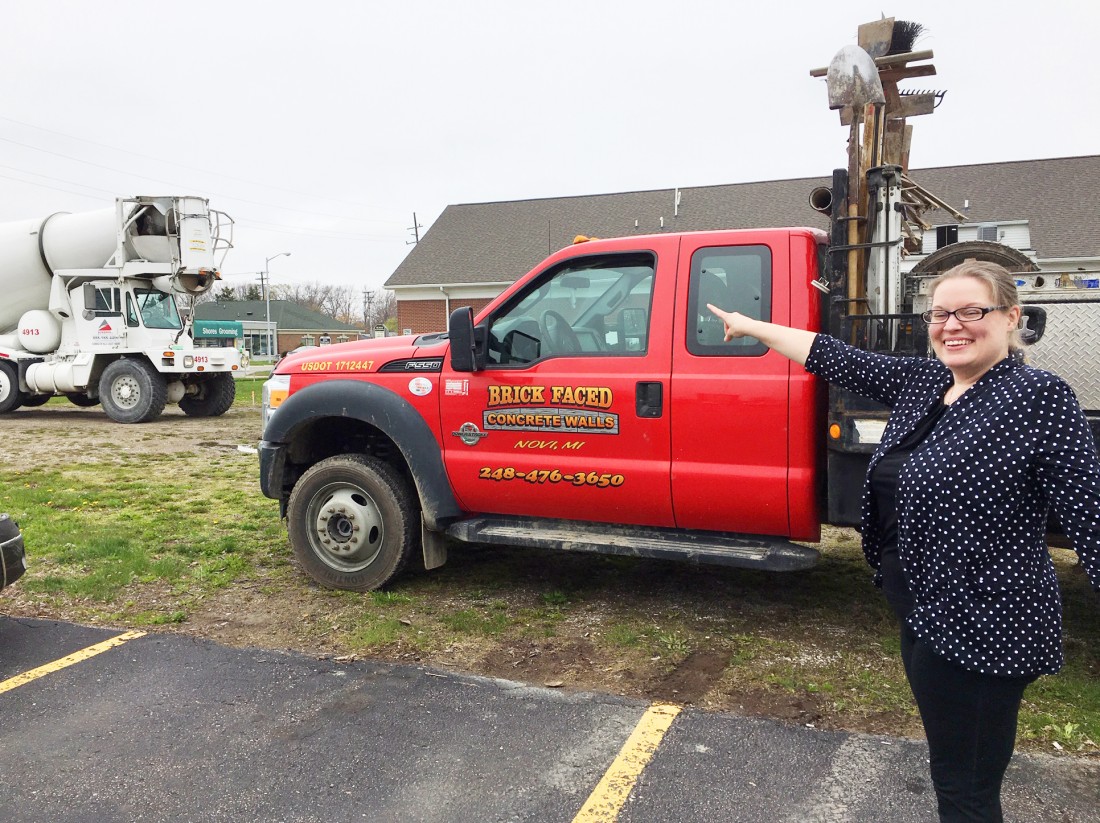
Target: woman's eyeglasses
967,314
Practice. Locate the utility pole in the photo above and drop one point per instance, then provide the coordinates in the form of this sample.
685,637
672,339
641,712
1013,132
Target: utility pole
415,229
368,313
272,339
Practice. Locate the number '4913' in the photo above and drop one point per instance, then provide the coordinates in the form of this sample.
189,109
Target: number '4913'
34,332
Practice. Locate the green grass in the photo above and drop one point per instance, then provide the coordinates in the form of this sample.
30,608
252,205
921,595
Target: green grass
623,634
166,523
249,391
476,622
95,531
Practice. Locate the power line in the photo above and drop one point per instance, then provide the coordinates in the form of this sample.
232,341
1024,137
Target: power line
175,185
56,188
189,168
259,225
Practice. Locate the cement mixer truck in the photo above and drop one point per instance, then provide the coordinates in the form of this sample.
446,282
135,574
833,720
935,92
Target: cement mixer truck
89,309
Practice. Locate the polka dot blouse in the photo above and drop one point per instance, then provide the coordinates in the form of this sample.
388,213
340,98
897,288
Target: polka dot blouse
973,499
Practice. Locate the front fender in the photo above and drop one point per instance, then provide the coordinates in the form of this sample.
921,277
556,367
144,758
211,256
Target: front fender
376,406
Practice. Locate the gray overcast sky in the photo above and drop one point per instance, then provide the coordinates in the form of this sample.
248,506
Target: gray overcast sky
322,126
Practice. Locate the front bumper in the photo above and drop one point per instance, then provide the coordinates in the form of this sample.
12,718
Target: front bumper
12,557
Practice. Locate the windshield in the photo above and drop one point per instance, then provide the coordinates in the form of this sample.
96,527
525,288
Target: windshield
597,305
158,310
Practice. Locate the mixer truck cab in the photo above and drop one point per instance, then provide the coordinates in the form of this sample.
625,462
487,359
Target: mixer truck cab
593,406
90,309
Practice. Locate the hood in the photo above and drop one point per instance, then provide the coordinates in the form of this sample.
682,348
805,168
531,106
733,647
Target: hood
381,350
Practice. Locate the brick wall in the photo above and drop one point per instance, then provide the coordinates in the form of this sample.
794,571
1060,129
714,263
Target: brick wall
430,315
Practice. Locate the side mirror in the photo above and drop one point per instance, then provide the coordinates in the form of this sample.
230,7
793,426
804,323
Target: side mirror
460,331
89,301
1035,323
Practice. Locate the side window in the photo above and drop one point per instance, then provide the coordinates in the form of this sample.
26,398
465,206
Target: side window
597,305
131,312
108,302
733,278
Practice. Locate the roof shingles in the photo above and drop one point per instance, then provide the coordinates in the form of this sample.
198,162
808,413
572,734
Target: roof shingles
284,314
498,242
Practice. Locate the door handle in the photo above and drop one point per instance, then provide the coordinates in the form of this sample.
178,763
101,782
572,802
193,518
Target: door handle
648,399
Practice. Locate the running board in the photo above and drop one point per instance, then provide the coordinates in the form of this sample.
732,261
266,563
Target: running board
718,548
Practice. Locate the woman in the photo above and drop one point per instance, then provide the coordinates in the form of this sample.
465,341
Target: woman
977,448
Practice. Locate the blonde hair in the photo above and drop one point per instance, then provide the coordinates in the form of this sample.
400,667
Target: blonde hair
1001,282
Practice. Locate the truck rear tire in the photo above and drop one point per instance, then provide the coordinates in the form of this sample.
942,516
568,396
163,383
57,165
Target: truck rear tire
132,391
352,522
11,398
31,401
214,397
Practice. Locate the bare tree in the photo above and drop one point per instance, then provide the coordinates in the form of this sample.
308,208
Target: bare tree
343,303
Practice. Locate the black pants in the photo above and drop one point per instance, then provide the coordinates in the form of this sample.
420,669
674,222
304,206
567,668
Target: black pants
970,722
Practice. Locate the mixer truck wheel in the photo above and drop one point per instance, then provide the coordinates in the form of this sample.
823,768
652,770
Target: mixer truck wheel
11,398
214,397
131,391
352,521
30,401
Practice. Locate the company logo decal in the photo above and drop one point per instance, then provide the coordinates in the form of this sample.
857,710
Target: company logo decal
567,409
469,434
427,364
420,386
107,335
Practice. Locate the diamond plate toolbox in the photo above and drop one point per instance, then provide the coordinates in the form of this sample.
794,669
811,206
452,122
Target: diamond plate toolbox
1070,347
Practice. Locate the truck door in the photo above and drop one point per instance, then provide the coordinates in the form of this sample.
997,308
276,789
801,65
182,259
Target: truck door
568,420
729,400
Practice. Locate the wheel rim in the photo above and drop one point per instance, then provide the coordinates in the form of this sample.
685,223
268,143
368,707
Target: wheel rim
346,527
5,385
126,391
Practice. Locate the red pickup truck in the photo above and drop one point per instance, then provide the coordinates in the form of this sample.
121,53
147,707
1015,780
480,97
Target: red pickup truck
593,406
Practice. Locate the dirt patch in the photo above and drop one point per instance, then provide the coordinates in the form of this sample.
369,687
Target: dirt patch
551,662
60,435
692,678
795,708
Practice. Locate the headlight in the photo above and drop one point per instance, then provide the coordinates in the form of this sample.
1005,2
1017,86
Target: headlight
275,391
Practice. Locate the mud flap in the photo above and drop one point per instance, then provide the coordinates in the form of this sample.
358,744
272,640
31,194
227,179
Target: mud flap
435,546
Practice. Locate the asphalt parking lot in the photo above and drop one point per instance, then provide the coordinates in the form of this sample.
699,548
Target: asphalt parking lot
101,725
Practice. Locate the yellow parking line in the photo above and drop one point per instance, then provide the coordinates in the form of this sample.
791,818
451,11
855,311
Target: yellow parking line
607,799
64,662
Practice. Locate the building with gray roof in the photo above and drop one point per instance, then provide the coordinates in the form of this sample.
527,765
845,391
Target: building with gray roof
1046,208
292,325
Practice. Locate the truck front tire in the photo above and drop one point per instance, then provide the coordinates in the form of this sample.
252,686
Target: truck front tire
352,522
11,398
214,397
132,391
